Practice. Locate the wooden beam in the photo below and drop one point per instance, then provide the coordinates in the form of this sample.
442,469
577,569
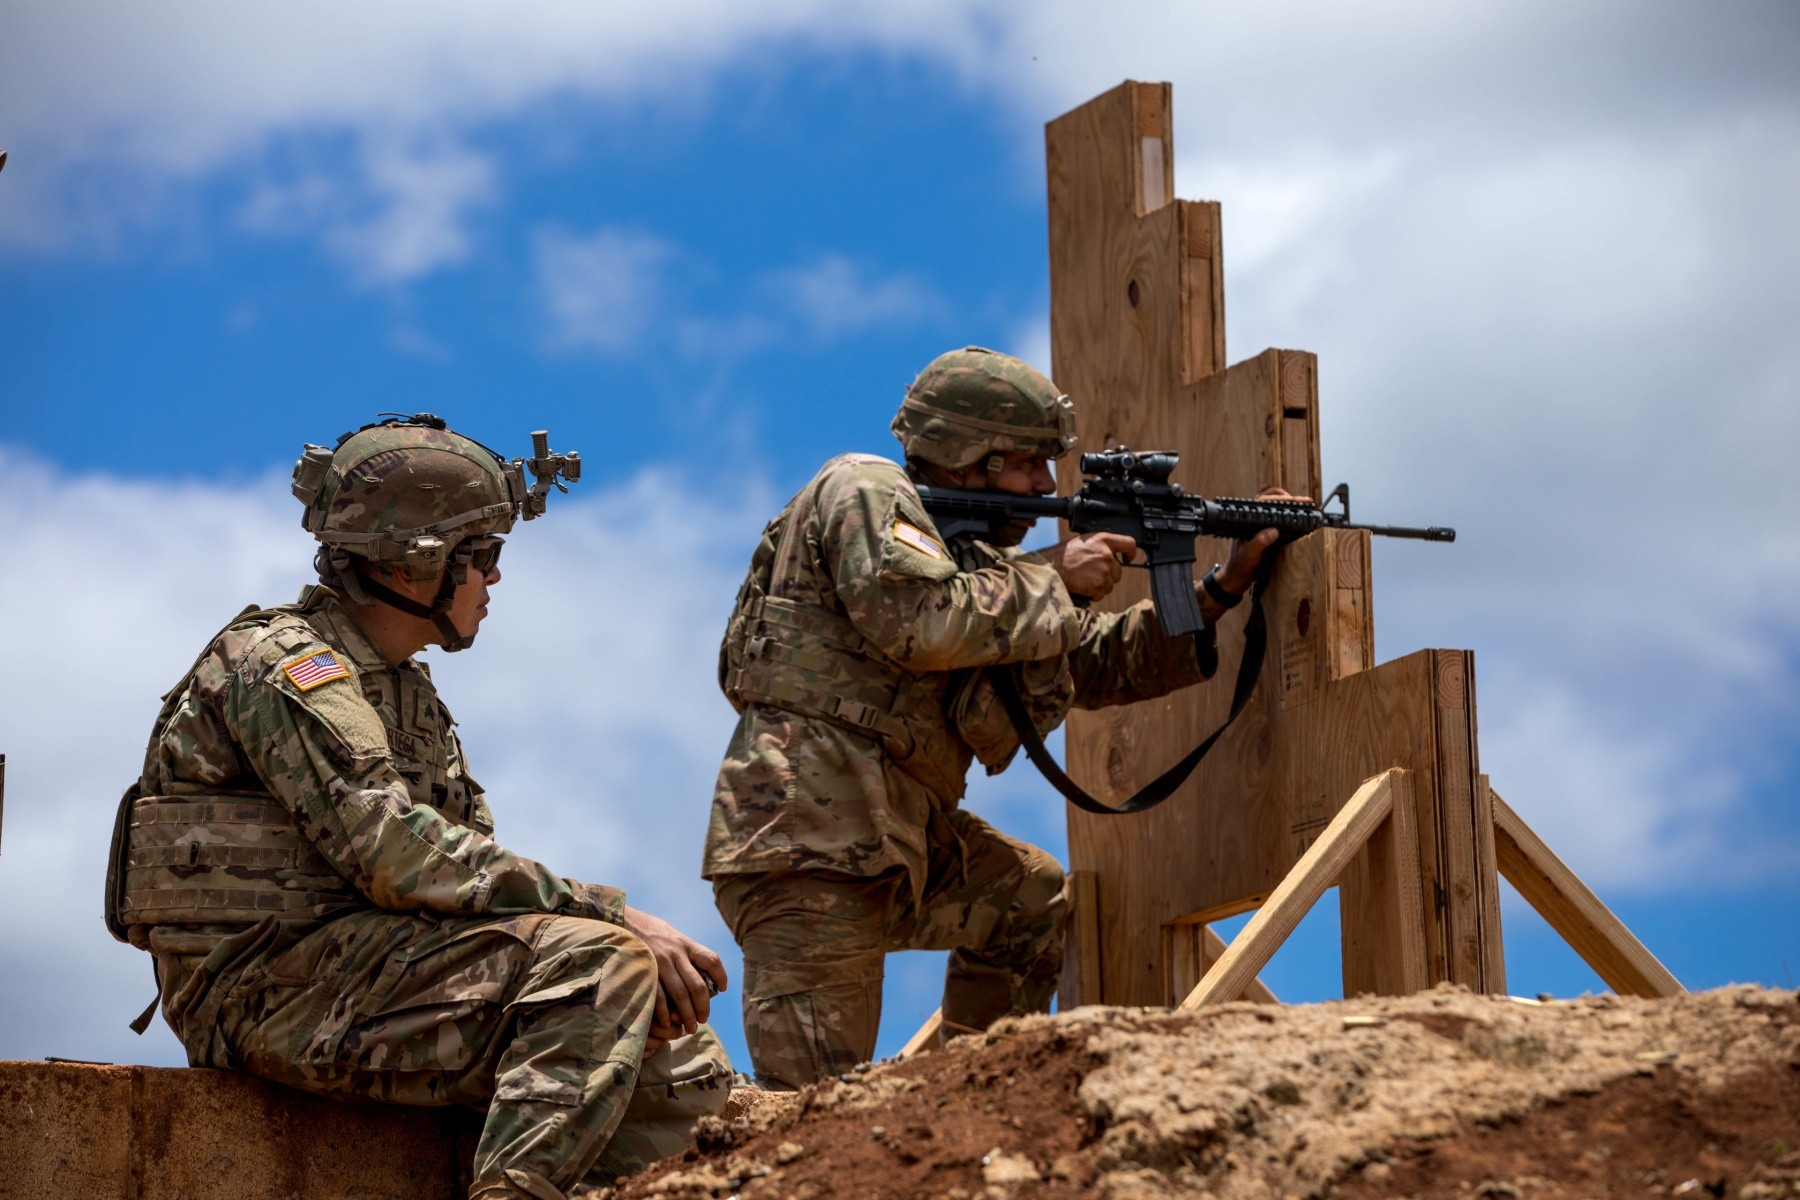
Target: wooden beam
1214,949
1462,876
1575,912
1190,948
1317,870
1081,954
1494,968
1381,909
925,1039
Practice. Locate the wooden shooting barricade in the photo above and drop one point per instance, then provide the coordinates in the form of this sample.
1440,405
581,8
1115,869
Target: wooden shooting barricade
1340,771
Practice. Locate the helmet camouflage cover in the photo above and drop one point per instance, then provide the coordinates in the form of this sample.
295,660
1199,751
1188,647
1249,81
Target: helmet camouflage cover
406,491
410,492
972,403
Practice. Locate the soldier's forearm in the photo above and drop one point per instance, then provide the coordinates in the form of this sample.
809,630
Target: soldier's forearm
1015,613
1124,657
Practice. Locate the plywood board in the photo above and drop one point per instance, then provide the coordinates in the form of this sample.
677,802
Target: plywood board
1135,312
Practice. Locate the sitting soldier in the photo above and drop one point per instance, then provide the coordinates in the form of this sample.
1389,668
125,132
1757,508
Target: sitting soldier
313,868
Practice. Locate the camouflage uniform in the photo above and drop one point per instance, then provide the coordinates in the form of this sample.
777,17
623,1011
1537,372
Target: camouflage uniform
312,867
856,656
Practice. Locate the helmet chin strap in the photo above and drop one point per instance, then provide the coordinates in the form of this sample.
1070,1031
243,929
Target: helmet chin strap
437,612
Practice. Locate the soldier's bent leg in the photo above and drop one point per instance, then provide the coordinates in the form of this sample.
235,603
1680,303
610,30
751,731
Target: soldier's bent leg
998,905
541,1019
688,1079
566,1078
814,944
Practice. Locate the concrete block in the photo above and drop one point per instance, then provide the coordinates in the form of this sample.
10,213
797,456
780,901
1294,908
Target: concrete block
79,1132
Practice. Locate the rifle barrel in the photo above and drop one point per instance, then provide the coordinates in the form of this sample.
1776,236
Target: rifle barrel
1430,533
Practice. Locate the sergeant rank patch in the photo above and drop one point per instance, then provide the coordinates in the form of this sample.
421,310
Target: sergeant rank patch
918,539
315,669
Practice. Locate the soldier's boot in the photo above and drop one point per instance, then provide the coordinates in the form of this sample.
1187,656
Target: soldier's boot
516,1184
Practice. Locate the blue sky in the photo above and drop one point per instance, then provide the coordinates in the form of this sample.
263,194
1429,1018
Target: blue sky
1545,253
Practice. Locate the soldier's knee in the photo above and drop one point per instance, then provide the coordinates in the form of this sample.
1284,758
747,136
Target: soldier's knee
1042,887
575,950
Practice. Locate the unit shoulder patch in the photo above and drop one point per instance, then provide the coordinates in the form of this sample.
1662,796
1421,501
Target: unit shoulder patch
312,670
918,539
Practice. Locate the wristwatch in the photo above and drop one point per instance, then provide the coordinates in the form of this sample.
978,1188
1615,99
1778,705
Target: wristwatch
1209,583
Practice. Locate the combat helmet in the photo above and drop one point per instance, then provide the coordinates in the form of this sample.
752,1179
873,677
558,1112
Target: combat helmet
974,404
411,492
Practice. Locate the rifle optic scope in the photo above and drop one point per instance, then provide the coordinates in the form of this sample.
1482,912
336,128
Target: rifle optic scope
1154,466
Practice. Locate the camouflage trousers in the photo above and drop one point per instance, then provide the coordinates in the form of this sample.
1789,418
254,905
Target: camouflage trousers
814,943
541,1020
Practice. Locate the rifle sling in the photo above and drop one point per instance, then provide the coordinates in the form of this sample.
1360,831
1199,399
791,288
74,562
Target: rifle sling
1256,641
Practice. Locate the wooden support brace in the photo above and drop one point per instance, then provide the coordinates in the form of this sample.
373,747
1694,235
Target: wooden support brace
1081,956
1317,870
1190,948
925,1039
1574,911
1213,949
1381,901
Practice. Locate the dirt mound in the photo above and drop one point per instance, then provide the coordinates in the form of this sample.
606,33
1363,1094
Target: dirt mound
1444,1093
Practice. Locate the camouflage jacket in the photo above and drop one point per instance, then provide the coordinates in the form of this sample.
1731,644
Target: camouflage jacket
856,656
293,773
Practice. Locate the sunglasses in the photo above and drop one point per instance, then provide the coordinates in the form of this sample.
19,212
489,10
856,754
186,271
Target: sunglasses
481,552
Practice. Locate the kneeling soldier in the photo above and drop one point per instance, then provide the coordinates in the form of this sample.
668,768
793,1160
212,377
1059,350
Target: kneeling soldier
858,656
313,867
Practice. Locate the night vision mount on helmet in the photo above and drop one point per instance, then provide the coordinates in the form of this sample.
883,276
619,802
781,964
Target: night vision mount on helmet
410,492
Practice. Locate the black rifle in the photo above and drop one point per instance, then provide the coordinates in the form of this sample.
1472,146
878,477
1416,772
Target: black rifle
1131,494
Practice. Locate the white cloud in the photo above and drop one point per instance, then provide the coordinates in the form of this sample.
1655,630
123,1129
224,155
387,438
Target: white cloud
835,296
601,291
397,213
613,292
114,109
424,198
589,705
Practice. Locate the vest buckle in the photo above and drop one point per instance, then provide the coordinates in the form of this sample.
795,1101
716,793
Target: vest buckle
861,715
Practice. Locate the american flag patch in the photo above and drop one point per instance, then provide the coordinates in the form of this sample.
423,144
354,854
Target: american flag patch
309,672
918,539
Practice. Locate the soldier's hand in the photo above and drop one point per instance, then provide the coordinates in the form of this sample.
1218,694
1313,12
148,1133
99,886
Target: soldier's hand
1089,563
689,973
1239,571
662,1029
